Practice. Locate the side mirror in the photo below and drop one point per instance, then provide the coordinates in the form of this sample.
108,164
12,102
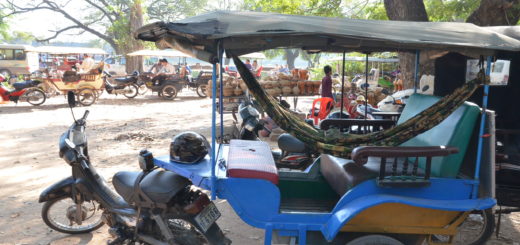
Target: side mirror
71,99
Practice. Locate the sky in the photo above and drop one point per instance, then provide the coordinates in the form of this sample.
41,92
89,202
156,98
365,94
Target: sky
40,22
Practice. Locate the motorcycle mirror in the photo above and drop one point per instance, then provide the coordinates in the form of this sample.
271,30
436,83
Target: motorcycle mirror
71,99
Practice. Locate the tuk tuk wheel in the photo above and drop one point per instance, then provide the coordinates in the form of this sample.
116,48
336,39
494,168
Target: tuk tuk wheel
86,96
142,88
476,229
202,90
169,92
375,239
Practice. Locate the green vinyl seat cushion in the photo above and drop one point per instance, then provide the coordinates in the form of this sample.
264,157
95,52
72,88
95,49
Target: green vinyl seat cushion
456,130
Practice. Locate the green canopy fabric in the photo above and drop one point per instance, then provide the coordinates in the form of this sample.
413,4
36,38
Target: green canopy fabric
246,32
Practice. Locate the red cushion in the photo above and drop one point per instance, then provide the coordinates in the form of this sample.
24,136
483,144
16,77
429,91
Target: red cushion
252,160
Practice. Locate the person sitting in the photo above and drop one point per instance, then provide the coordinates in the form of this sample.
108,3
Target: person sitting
162,72
86,65
248,65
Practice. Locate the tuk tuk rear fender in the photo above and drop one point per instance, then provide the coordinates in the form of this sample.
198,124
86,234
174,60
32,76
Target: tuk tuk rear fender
442,194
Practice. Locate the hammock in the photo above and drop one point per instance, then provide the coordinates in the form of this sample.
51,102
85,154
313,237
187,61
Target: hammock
341,144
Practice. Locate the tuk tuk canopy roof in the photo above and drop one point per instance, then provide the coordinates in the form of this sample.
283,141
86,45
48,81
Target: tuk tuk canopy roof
159,53
246,32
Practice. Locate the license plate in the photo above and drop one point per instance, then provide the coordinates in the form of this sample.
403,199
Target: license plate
207,217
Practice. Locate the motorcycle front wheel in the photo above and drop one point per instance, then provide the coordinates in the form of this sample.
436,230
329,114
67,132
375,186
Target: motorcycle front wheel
60,215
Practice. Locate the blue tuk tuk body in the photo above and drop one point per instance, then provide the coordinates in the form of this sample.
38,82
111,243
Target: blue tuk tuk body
334,195
368,206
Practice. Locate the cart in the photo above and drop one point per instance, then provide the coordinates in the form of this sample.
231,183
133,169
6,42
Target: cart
85,86
420,190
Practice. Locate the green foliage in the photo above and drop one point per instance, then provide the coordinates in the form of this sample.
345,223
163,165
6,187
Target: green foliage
450,10
3,26
330,8
175,10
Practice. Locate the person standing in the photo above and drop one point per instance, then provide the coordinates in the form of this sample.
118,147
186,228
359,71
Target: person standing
326,83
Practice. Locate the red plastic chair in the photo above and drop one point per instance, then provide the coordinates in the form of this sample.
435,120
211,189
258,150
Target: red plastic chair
326,104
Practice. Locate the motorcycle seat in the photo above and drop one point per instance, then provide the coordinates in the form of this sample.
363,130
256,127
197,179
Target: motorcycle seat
289,143
160,186
124,79
343,174
24,84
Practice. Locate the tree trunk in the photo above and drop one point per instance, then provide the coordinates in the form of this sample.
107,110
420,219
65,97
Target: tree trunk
496,13
409,10
291,55
136,20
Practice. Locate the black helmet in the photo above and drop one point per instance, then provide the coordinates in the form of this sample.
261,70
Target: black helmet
188,147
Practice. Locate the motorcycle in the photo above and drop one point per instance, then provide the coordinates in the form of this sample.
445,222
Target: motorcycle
25,91
293,154
151,206
126,86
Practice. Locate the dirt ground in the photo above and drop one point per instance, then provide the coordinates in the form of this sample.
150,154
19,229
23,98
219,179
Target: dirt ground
117,129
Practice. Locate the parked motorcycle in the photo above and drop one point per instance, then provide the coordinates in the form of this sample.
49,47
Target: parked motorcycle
126,86
24,91
151,206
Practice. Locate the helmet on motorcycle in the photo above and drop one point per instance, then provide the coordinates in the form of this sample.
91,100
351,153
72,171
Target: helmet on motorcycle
135,73
188,147
360,98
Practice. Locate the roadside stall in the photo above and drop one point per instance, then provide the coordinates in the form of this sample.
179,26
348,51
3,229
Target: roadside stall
386,187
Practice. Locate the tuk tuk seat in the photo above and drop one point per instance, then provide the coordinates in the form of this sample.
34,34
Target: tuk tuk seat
454,131
251,160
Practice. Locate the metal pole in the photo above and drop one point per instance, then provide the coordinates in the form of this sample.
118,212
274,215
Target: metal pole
342,84
416,75
220,100
366,86
213,131
481,130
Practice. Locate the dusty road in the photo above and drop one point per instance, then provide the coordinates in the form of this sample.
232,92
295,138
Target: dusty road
117,128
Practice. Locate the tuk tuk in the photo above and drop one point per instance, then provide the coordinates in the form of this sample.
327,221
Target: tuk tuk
393,189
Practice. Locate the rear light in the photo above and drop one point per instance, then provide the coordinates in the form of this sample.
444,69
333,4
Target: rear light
198,205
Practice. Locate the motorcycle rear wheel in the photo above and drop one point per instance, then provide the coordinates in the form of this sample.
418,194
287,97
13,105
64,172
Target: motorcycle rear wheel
132,91
35,97
142,88
49,217
186,234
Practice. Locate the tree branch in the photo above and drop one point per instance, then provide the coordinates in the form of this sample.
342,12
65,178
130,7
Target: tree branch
57,33
110,18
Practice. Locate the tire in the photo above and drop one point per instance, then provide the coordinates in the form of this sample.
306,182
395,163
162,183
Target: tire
142,88
468,234
5,73
86,96
169,92
35,97
202,90
132,91
49,222
375,239
187,234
